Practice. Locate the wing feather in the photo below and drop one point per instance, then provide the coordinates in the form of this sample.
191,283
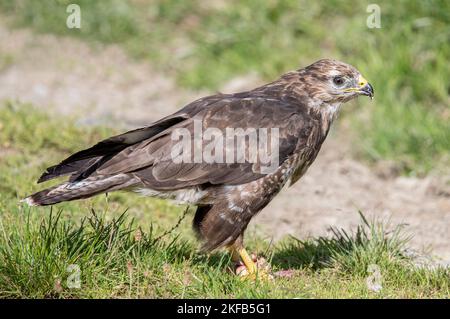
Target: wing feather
146,153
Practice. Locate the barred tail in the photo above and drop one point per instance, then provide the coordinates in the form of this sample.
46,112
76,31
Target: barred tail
77,190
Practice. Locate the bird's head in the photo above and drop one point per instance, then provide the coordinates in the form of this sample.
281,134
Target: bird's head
333,81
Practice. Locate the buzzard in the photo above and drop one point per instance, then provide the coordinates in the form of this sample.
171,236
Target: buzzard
301,105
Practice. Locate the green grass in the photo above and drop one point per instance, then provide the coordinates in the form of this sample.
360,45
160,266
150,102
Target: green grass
204,45
122,254
114,262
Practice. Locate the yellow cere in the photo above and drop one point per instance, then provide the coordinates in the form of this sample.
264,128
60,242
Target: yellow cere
362,81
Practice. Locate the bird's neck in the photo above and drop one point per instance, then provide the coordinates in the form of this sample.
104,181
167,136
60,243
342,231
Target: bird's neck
325,112
291,87
330,110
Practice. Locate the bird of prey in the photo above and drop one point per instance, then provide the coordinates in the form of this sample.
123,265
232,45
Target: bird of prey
301,105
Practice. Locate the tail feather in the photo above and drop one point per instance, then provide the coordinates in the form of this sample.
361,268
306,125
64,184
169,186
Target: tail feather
83,163
77,190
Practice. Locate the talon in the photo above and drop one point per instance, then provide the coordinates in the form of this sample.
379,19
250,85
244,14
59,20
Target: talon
251,267
241,271
260,275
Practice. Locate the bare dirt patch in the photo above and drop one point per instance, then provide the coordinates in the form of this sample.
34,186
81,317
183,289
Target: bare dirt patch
101,85
94,83
337,186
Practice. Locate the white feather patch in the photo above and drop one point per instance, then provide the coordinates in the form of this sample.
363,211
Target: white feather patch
183,196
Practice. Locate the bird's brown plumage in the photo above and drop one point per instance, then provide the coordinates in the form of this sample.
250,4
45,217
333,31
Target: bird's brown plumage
301,104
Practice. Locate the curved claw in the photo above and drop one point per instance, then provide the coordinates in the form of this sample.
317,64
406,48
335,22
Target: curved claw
252,268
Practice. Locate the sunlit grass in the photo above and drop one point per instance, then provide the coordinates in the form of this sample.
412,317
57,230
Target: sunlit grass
51,256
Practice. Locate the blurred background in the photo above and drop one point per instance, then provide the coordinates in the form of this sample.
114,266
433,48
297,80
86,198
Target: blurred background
134,61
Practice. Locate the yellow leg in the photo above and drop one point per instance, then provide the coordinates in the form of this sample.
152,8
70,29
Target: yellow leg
239,254
248,262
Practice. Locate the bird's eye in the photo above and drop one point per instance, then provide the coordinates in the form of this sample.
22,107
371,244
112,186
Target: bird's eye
338,80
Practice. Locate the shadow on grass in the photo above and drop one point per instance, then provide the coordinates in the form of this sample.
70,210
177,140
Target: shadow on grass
349,251
370,243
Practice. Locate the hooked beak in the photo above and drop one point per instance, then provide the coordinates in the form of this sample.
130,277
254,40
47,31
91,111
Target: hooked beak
365,88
